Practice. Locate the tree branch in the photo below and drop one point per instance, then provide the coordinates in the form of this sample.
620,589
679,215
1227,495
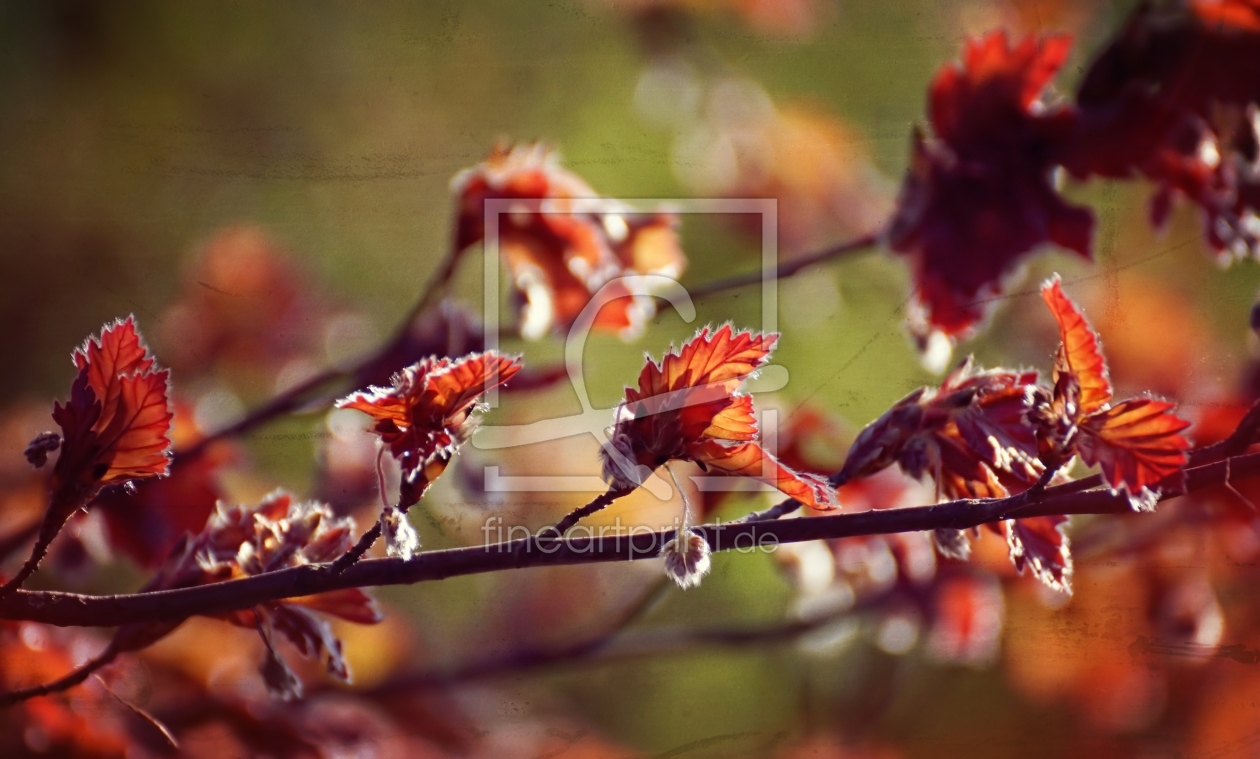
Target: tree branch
75,677
73,609
601,502
304,392
789,268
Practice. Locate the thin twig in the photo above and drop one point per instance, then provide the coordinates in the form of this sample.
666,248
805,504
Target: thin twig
601,502
304,393
144,715
73,609
64,503
788,268
75,677
365,542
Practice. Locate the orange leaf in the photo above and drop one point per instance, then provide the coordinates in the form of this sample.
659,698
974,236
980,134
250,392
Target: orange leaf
137,434
1080,356
1137,445
427,413
749,460
117,421
119,353
687,407
722,358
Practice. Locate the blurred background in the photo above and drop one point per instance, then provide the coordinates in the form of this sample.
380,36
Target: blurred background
267,188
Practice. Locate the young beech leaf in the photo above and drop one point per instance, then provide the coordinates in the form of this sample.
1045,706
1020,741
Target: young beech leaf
1172,98
429,411
245,541
1137,443
972,436
1080,356
1041,544
688,408
115,425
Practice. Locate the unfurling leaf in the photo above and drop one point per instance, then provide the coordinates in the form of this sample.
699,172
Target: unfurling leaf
688,408
973,437
970,435
1137,443
243,541
1079,359
429,412
115,425
1173,98
687,558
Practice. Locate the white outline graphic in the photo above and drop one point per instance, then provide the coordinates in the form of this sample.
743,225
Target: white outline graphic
595,421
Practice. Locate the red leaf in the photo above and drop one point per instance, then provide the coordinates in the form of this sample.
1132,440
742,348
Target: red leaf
994,90
277,533
312,635
723,358
117,421
1169,99
1040,544
1137,444
687,407
971,435
427,414
750,460
979,199
118,353
1080,356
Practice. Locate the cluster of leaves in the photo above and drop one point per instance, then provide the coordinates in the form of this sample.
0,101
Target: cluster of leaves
996,433
244,541
1173,99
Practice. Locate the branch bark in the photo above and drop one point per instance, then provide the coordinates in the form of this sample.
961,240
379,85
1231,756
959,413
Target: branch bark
73,609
